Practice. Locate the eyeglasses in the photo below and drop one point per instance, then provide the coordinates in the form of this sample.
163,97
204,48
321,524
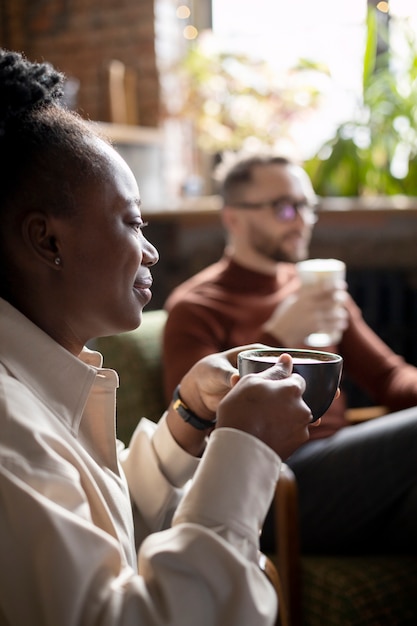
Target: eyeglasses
285,209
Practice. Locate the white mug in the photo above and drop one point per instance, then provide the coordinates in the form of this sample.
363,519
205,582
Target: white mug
329,271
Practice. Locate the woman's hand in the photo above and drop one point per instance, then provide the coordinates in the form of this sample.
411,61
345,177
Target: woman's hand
275,413
269,406
202,388
210,379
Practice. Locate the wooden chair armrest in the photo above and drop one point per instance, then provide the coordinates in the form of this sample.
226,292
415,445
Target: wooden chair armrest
271,572
287,537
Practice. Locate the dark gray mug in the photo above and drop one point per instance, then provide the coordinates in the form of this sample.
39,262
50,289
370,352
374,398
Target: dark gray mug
322,372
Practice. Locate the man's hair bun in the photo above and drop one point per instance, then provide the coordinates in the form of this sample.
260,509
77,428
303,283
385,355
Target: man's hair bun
25,86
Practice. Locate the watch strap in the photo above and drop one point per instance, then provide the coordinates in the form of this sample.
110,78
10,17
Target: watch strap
187,415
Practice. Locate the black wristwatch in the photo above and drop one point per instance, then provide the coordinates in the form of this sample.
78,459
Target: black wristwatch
187,415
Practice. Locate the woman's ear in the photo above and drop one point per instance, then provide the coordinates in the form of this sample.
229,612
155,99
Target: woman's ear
39,235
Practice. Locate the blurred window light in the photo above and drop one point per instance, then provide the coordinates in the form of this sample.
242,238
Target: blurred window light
383,6
183,12
326,31
190,32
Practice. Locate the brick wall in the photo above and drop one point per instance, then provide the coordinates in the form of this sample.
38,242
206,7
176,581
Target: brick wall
80,37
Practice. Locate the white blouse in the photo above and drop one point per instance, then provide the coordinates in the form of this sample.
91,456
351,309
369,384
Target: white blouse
73,504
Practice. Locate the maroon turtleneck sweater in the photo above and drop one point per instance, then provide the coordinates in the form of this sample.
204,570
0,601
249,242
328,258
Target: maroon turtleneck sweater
226,305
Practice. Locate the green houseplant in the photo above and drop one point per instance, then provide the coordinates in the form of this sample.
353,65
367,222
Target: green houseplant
234,101
375,153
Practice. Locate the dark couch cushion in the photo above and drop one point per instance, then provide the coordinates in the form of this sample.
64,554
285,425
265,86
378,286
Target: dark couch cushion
359,591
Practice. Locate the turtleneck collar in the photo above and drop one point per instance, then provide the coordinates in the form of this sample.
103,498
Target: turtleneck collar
235,275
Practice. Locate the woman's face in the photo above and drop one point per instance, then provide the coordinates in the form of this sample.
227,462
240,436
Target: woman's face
105,258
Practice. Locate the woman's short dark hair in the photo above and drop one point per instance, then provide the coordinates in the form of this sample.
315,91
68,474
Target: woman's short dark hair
43,146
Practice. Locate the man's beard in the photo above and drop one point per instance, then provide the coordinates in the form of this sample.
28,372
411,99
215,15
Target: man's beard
276,251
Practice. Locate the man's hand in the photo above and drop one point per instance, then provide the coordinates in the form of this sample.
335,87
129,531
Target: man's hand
313,308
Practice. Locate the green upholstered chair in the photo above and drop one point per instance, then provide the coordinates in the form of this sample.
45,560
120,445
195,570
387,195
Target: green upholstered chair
322,590
317,590
136,356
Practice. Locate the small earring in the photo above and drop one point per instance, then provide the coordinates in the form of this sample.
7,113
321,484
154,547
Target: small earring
57,260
